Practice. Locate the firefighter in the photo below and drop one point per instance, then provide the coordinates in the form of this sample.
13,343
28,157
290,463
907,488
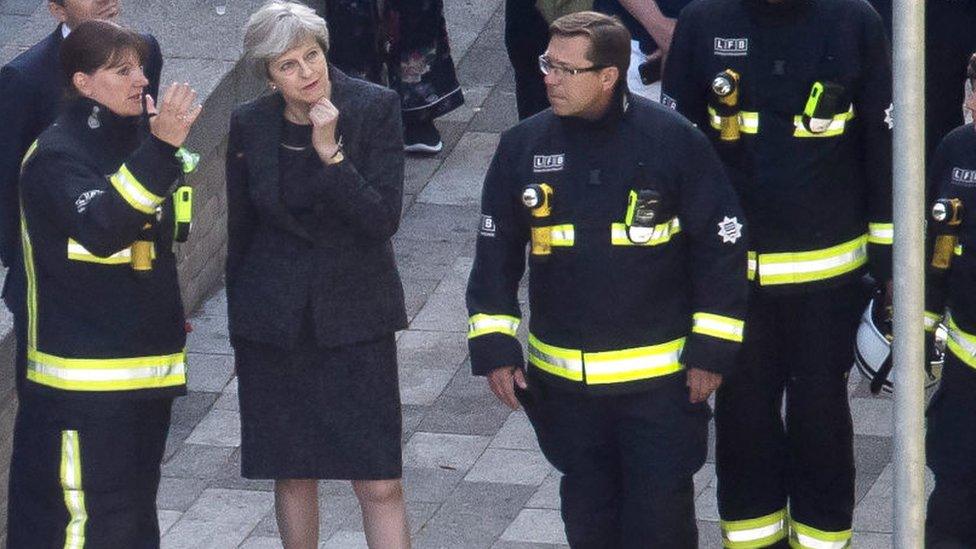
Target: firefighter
796,97
105,338
636,285
951,436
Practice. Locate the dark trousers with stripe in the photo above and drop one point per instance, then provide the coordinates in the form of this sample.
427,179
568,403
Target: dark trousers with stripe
800,345
86,475
951,449
627,463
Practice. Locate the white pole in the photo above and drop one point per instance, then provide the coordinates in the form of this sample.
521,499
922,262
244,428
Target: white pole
909,268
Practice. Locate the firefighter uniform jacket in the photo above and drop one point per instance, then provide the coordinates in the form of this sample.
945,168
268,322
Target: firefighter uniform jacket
90,184
608,314
806,135
953,176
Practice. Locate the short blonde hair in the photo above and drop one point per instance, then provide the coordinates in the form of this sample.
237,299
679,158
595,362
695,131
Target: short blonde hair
279,26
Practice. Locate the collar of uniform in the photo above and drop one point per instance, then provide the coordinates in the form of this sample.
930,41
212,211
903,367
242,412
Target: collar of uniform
97,118
765,12
615,113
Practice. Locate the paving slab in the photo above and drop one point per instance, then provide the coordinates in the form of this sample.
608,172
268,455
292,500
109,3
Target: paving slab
537,526
503,466
459,180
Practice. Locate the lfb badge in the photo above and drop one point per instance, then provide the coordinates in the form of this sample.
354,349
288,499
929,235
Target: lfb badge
730,230
487,226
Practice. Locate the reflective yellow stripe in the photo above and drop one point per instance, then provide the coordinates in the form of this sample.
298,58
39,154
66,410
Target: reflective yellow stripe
722,327
133,192
835,128
106,374
932,321
957,250
78,252
961,343
565,363
798,267
754,533
607,366
881,233
752,264
74,494
748,121
563,235
28,155
29,272
481,324
808,537
661,234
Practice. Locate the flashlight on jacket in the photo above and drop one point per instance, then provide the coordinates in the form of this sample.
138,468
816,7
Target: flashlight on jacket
822,105
538,200
725,99
642,209
141,252
947,214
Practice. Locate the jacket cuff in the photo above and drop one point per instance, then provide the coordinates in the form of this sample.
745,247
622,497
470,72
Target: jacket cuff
154,166
710,353
879,262
494,350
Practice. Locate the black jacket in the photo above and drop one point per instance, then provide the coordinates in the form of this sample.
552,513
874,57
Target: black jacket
31,92
818,202
622,315
341,267
88,189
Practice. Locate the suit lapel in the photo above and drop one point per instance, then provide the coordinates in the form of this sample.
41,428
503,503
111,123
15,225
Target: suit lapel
262,161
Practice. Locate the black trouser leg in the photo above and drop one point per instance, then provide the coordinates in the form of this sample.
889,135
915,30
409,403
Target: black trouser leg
951,450
751,446
576,438
663,441
820,335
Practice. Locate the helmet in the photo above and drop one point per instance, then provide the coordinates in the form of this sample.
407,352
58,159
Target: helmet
872,348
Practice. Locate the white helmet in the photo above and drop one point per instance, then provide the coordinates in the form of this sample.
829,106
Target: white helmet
872,349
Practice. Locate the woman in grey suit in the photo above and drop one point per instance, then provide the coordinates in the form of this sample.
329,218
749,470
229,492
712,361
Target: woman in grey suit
315,183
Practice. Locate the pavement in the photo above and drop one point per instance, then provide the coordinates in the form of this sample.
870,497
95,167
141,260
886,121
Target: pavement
473,473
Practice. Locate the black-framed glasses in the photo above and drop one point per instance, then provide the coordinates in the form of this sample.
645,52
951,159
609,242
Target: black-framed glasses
546,66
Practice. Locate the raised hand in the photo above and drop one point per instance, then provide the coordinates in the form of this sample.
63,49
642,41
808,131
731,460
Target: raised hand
324,116
172,118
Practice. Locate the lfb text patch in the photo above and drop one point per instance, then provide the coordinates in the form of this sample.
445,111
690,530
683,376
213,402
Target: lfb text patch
964,178
548,163
731,46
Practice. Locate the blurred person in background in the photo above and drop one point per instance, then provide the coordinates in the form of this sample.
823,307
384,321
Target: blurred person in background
105,339
314,193
404,45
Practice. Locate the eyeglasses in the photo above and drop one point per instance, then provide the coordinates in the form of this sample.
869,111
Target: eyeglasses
547,67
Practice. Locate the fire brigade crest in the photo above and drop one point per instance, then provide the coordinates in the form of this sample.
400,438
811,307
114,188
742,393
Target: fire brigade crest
730,230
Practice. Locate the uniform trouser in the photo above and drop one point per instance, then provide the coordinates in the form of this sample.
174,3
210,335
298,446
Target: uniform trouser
81,476
800,344
627,463
951,449
526,38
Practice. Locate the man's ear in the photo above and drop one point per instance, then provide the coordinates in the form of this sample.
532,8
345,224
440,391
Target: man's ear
57,11
609,77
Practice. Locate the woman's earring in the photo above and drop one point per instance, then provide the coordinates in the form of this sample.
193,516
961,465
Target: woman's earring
274,87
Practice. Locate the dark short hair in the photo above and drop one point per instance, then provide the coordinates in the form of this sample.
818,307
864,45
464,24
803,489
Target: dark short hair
99,44
58,2
609,38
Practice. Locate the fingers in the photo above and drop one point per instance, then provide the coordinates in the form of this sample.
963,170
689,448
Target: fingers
191,116
151,106
520,379
502,384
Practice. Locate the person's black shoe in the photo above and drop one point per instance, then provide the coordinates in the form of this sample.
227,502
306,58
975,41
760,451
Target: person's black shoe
422,137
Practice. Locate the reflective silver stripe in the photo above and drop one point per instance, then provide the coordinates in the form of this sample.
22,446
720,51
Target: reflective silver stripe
812,266
754,534
881,233
74,495
808,542
798,267
481,324
107,374
718,326
78,252
626,364
569,365
563,235
931,321
133,192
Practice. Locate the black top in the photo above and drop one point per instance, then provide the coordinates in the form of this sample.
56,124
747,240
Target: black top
297,159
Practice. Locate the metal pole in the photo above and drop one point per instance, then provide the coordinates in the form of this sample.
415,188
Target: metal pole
909,268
